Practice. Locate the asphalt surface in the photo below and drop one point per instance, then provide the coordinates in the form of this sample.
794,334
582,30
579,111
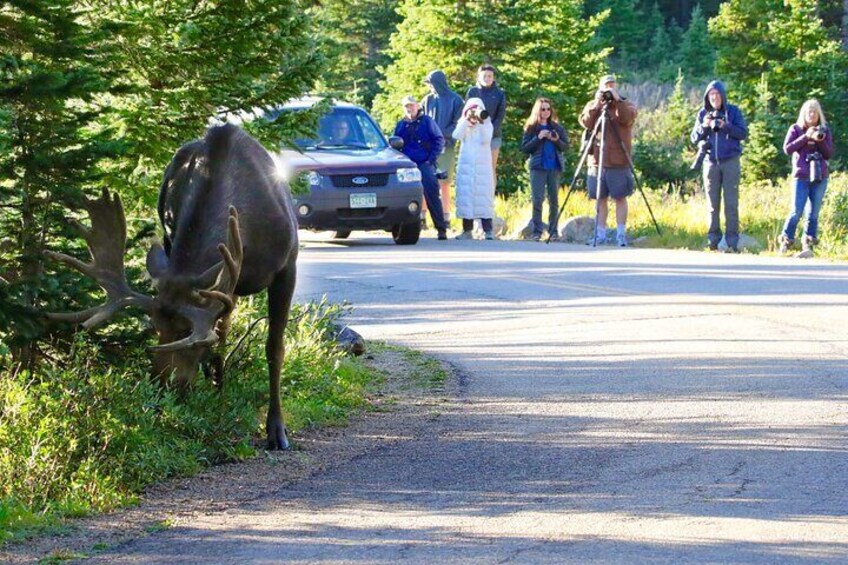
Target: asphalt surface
615,406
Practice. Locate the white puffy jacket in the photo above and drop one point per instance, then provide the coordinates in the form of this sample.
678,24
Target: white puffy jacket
475,180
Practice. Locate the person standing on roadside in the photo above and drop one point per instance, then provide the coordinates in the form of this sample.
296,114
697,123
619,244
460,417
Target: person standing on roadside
544,141
721,128
444,106
423,143
494,99
810,144
475,184
617,181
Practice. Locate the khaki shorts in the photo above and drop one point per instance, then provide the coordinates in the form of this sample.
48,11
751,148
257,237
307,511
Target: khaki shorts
447,161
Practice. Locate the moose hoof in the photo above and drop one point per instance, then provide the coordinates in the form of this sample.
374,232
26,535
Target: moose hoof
277,439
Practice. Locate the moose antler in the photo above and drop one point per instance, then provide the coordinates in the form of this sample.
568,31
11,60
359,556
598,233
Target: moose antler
219,295
106,239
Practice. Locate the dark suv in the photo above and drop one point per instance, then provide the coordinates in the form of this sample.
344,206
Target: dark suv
355,179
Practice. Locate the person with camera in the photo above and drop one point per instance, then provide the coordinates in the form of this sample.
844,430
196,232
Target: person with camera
544,140
719,131
444,106
494,99
423,143
810,144
617,181
475,181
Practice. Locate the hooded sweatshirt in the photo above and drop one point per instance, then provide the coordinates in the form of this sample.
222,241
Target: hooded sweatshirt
444,107
494,99
727,142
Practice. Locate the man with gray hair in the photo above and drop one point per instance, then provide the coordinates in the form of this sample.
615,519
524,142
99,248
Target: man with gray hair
616,177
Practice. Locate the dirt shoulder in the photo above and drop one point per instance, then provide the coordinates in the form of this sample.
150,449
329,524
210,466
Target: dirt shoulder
410,395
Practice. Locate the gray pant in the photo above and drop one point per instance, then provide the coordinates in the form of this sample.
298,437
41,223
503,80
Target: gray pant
718,178
544,181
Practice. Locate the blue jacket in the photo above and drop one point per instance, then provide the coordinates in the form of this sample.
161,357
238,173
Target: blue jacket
445,106
726,143
494,99
534,146
422,139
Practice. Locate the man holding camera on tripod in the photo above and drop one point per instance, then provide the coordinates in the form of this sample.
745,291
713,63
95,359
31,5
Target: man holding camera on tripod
719,131
611,175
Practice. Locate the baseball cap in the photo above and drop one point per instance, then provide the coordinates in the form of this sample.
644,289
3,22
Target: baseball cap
605,79
408,100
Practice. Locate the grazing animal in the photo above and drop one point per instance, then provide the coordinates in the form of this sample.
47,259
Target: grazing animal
230,230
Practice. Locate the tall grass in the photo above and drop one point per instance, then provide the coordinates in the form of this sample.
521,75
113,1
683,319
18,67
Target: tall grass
763,207
83,436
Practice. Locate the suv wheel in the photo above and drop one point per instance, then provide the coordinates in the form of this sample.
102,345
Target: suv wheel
407,234
341,234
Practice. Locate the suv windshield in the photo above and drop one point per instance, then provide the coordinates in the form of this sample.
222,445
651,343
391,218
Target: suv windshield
345,128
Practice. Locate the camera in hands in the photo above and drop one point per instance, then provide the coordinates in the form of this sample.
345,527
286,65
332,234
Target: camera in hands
478,116
607,96
819,133
715,116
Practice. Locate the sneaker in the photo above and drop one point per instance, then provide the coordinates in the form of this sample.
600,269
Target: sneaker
536,237
621,240
442,235
553,236
785,243
598,241
465,235
489,235
731,249
712,247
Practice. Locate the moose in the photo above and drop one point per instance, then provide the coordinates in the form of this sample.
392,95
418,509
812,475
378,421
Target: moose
230,231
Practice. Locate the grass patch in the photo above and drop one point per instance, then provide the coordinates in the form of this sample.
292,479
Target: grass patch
422,371
763,207
89,431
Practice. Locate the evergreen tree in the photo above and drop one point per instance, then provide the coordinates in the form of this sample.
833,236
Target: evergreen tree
786,41
696,52
354,35
625,30
662,56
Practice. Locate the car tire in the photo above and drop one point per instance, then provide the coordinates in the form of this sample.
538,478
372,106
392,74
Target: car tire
341,234
407,234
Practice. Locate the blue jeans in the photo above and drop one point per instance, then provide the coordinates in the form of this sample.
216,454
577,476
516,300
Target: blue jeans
802,192
432,195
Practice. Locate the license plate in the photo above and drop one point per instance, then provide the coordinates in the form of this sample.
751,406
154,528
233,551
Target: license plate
364,200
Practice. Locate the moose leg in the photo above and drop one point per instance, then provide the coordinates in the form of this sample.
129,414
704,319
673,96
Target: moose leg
279,304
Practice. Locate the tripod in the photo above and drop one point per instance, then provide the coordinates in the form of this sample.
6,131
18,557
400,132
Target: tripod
601,125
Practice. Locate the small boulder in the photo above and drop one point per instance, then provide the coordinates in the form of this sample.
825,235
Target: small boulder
348,340
577,229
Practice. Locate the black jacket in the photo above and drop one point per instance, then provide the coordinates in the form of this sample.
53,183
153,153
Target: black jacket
494,100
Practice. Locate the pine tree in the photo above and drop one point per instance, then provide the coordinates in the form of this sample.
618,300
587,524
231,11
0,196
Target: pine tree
696,52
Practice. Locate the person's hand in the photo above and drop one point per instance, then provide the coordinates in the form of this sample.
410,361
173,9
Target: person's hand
810,133
553,135
615,95
544,133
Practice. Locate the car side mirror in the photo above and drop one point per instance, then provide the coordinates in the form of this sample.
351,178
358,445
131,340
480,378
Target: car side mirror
396,142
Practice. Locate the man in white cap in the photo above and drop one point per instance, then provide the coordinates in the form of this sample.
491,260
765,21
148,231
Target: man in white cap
617,180
423,143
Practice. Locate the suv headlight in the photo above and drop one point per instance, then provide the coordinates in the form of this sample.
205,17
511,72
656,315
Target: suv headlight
409,175
313,178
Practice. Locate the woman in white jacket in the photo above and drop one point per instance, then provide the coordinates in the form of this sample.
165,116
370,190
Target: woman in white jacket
475,182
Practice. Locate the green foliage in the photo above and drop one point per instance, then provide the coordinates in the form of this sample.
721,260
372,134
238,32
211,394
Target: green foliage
697,55
354,35
786,42
662,153
84,435
550,54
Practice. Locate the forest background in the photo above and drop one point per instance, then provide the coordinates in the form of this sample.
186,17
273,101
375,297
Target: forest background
99,94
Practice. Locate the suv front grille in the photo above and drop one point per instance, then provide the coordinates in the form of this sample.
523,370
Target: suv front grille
373,180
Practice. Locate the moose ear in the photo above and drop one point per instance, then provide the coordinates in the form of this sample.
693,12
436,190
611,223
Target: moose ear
157,261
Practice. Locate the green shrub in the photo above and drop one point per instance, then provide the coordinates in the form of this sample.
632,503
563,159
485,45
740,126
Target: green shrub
82,436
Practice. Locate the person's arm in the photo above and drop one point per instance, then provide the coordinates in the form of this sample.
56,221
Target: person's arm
562,138
735,125
456,114
500,112
624,112
530,142
794,141
825,146
698,132
438,143
589,115
398,129
463,128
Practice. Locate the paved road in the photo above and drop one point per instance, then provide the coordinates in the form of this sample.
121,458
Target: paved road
617,405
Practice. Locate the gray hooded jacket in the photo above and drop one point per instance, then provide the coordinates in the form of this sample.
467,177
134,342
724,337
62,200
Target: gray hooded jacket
445,106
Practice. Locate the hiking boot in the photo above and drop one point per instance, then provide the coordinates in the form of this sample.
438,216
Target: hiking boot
809,242
621,240
442,235
465,235
488,235
712,247
785,243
